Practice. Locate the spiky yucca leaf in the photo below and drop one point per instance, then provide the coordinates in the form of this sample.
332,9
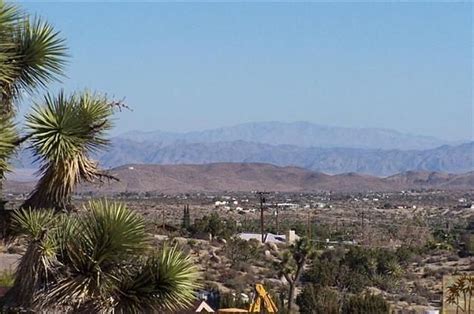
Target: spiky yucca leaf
100,261
9,17
8,137
108,238
63,132
41,54
31,223
37,262
166,281
32,54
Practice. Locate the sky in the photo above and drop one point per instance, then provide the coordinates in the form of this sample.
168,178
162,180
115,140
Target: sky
193,66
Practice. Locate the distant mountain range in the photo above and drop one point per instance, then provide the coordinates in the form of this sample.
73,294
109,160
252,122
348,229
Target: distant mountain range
325,149
303,134
219,177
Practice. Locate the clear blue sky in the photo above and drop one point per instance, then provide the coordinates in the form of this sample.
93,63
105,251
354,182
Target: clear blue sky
185,66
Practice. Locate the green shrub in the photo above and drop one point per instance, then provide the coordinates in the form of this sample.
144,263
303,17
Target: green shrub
365,304
7,277
318,300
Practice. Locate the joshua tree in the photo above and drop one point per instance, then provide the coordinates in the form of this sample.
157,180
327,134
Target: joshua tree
99,260
32,54
292,264
61,133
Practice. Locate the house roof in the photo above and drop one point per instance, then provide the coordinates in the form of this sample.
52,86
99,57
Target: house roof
204,307
271,238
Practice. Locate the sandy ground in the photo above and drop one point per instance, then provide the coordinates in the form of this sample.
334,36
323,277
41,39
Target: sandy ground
8,261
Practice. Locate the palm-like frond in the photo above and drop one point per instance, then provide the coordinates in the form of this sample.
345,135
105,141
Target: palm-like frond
63,132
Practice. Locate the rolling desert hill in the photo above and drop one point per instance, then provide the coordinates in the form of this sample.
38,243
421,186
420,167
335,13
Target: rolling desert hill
218,177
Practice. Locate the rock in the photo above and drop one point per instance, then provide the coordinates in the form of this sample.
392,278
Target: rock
268,254
215,259
223,241
273,247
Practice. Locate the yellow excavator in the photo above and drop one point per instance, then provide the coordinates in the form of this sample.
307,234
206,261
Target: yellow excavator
262,303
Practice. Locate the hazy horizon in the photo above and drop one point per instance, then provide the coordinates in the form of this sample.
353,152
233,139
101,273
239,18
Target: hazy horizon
287,122
186,66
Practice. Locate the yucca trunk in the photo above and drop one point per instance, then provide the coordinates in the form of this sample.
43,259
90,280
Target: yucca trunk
57,184
28,277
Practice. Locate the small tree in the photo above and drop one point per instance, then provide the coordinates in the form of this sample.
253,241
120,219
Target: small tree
318,300
292,265
215,226
460,294
186,222
240,251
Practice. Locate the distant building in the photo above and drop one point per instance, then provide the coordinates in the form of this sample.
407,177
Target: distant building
287,205
290,237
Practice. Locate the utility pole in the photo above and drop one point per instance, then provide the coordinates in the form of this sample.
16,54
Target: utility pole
276,220
309,225
262,202
163,219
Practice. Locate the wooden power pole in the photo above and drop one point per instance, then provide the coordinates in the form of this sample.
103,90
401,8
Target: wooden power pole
261,196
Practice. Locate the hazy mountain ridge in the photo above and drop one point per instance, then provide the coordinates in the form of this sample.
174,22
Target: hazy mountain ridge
172,148
302,134
455,159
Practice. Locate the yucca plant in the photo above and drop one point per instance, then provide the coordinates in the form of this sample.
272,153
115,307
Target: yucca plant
9,17
62,133
96,261
8,137
32,54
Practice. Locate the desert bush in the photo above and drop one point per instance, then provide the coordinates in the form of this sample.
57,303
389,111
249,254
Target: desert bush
240,251
229,300
365,304
318,300
214,225
453,258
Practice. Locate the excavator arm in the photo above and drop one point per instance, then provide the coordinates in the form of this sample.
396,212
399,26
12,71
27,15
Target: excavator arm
262,298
